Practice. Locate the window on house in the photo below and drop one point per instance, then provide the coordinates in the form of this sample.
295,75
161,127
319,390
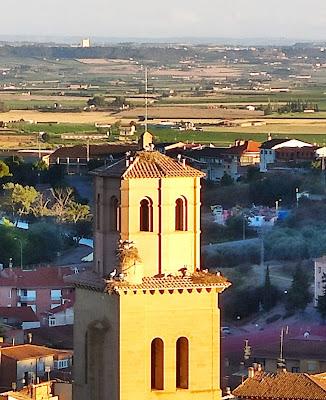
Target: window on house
114,214
182,361
60,364
56,294
146,215
157,364
181,214
52,321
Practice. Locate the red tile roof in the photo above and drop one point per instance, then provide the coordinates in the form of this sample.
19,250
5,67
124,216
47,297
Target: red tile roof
27,351
312,348
149,164
43,277
62,307
95,150
198,280
283,385
60,337
21,314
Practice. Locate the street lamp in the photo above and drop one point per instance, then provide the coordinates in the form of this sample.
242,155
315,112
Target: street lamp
277,204
21,252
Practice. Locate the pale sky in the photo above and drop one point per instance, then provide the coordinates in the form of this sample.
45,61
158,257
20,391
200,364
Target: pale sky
305,19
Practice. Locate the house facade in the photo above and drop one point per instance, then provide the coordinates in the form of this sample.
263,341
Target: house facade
25,364
320,278
42,289
281,151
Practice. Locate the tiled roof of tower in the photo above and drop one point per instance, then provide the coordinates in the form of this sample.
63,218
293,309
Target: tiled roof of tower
199,280
283,385
149,164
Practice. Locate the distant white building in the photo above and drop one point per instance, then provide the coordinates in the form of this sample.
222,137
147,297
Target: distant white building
86,43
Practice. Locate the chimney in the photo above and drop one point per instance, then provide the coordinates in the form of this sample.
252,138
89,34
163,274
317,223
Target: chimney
29,337
251,372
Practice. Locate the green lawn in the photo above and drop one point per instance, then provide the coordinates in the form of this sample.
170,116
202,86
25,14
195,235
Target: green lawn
226,138
57,129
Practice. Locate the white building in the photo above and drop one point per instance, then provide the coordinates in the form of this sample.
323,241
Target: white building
269,149
320,271
62,315
86,43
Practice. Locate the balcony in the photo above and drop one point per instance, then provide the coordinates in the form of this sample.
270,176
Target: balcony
26,298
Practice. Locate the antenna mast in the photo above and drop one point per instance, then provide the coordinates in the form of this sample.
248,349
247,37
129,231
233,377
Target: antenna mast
146,99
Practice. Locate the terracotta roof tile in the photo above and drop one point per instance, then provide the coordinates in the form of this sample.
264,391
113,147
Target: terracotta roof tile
95,150
21,314
43,277
283,385
199,280
149,164
26,351
62,307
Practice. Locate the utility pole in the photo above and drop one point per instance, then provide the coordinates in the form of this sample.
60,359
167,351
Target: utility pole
243,228
146,99
323,172
262,248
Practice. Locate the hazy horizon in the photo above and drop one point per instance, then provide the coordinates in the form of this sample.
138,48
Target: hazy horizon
223,19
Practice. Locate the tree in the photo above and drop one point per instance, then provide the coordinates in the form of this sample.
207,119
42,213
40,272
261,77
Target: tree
62,197
97,101
299,295
40,207
321,306
76,212
20,198
226,180
267,300
4,169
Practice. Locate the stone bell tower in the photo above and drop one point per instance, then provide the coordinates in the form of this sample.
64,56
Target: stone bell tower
147,320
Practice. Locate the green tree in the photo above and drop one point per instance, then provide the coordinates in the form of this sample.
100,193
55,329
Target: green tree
4,169
321,306
20,198
226,180
97,101
76,212
299,295
267,294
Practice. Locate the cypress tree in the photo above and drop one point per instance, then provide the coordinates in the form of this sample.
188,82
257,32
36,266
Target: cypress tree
299,295
267,299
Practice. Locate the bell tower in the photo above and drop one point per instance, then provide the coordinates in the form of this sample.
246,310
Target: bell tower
153,201
135,336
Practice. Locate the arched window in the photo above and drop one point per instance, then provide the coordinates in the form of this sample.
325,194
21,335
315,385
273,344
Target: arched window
157,364
182,367
181,214
114,214
146,215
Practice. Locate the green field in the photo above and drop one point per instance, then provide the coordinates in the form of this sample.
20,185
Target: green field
223,138
57,129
